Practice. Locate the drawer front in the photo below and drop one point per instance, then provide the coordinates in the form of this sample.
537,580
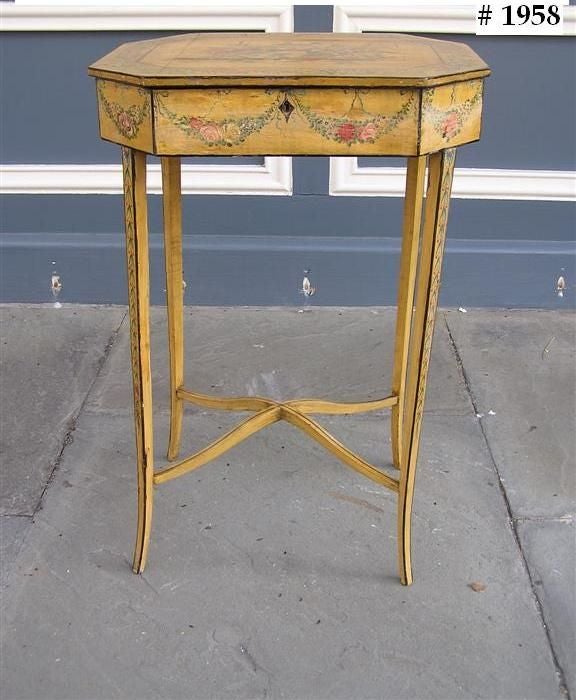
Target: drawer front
311,121
125,114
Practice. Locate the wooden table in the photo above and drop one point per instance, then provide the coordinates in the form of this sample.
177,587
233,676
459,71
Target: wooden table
289,94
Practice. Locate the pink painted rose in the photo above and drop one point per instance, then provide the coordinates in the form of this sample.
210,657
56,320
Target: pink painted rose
210,132
346,131
367,132
195,123
450,126
126,123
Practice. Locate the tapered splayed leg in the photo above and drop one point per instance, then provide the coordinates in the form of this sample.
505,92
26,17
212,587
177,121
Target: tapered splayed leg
172,202
413,204
441,168
136,227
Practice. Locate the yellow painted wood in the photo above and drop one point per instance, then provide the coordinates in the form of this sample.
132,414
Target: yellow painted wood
288,94
306,406
337,408
125,115
413,203
328,441
219,447
339,121
227,403
290,121
267,59
451,115
263,418
172,207
269,411
428,286
136,228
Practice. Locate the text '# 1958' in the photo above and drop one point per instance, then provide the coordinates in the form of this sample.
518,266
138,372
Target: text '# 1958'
520,18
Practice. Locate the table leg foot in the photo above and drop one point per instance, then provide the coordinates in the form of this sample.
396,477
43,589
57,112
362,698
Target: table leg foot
427,289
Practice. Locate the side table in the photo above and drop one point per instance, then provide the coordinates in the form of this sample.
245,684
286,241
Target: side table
289,94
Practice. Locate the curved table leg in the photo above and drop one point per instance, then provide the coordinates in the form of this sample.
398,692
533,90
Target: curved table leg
136,228
414,331
413,204
428,285
172,205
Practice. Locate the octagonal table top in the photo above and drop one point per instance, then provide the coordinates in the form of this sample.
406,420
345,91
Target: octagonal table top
258,58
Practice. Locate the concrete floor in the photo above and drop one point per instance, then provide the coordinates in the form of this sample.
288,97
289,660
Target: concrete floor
272,571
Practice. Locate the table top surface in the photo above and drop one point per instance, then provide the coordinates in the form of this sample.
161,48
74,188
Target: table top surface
258,58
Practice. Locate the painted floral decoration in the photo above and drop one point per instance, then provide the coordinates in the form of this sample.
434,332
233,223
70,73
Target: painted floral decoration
449,124
126,119
363,127
358,125
225,132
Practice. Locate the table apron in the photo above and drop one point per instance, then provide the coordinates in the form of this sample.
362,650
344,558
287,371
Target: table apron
330,121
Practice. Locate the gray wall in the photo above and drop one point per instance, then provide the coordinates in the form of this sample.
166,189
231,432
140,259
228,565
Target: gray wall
253,250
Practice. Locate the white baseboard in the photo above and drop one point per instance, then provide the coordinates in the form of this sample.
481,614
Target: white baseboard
348,179
272,178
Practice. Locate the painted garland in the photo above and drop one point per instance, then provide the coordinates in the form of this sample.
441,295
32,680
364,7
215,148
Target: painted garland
363,127
449,123
126,119
226,132
347,130
366,129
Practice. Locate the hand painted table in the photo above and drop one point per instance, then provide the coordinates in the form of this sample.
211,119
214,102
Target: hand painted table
288,94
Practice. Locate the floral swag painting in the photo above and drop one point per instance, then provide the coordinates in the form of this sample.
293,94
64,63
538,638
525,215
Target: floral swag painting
126,119
448,123
356,126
